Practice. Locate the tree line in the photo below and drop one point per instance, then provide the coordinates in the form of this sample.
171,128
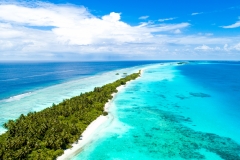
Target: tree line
46,134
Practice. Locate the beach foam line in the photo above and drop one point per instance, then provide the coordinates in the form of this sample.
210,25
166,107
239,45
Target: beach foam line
87,137
89,134
94,127
37,75
17,97
6,80
49,73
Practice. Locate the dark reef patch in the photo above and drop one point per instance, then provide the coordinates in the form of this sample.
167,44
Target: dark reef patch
179,140
171,139
202,95
162,96
182,97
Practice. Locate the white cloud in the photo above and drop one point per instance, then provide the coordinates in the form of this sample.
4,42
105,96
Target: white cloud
166,19
72,31
225,47
43,14
143,17
112,17
237,47
177,31
235,25
231,48
203,47
7,31
196,13
170,27
209,34
217,48
206,34
5,44
76,26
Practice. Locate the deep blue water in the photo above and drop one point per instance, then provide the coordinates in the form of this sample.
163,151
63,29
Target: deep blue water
21,77
221,77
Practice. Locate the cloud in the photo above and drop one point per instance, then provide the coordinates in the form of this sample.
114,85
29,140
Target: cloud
235,25
203,47
225,47
166,19
167,27
143,17
40,28
177,31
217,48
209,34
46,31
196,13
77,26
206,34
237,47
5,44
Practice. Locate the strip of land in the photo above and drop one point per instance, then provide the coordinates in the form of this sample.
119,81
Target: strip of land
46,134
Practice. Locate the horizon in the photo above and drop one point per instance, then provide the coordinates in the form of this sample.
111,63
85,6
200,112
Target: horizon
130,60
69,30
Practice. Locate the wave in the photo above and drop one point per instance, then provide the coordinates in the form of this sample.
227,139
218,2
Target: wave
37,75
12,79
17,97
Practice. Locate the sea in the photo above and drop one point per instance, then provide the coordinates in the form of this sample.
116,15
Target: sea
187,110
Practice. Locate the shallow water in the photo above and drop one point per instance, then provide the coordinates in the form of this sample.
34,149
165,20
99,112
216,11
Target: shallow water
167,114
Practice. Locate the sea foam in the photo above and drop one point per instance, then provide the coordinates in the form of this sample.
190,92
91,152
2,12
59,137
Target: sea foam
17,97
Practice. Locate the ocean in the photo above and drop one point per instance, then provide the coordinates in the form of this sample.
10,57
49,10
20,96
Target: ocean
32,86
173,111
18,78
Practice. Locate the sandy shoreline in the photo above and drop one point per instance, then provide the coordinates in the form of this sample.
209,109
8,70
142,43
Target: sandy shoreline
85,139
88,134
91,130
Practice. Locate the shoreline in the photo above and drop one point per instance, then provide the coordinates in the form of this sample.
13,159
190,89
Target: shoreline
44,97
91,130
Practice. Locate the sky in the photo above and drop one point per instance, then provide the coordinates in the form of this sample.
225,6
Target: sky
90,30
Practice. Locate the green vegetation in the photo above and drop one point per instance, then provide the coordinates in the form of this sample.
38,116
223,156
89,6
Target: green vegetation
117,73
45,134
182,63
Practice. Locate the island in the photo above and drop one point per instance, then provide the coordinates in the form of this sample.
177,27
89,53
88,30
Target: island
47,133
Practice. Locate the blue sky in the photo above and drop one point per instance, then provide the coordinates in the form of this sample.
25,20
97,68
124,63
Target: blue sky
119,30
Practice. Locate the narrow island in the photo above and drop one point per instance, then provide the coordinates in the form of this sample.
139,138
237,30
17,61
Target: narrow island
46,134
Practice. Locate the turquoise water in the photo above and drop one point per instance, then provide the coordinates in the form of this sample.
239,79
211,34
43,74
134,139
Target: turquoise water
172,112
164,114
